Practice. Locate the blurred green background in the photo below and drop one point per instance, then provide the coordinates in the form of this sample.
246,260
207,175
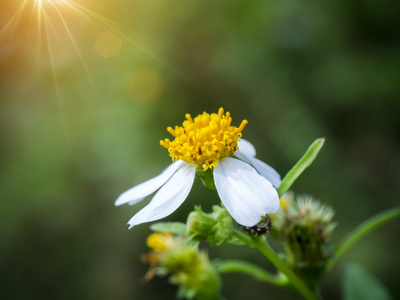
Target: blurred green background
88,88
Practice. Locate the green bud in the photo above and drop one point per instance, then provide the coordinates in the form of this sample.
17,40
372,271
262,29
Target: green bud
215,227
306,227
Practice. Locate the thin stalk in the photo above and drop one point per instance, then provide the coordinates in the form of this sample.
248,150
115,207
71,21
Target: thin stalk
238,266
262,246
362,230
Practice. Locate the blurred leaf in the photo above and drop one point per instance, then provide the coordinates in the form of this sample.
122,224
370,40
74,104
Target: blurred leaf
171,227
358,284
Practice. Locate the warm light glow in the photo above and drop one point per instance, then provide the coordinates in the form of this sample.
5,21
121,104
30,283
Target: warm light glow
41,3
52,40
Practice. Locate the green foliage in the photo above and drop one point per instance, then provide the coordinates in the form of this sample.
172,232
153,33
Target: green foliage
358,284
303,224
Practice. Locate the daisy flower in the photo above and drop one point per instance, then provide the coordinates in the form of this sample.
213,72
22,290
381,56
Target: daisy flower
245,185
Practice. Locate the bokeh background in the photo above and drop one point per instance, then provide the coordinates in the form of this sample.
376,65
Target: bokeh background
88,88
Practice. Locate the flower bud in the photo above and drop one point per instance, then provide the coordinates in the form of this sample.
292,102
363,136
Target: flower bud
215,227
306,227
188,267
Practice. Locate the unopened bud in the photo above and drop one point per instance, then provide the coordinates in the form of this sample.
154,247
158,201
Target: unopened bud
215,227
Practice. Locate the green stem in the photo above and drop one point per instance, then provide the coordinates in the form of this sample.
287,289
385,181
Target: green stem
301,165
261,245
238,266
362,230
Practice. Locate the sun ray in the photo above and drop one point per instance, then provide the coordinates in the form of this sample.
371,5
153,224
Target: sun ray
73,42
82,61
16,16
51,35
49,26
126,34
38,49
10,26
142,43
114,26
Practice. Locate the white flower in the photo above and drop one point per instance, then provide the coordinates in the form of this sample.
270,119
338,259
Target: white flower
245,185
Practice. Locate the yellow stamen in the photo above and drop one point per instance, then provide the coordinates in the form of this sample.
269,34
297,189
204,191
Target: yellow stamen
165,143
242,125
204,140
189,117
171,131
221,112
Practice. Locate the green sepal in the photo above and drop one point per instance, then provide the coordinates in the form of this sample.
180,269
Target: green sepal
177,228
207,178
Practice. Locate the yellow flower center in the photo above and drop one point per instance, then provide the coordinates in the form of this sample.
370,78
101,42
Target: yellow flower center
204,140
160,241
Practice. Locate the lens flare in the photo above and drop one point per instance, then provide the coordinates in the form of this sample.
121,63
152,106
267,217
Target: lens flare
55,37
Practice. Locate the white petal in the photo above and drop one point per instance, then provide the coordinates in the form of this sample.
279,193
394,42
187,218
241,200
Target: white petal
247,195
139,192
168,198
136,201
265,170
246,147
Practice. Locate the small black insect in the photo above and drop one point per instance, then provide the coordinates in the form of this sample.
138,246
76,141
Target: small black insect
261,228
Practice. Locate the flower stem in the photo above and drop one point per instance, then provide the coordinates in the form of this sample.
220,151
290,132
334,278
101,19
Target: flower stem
262,246
300,166
238,266
362,230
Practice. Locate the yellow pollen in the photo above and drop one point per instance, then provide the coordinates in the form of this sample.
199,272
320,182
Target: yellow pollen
204,140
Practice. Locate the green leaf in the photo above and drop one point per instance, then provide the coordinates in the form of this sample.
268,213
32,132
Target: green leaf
171,227
301,165
358,284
